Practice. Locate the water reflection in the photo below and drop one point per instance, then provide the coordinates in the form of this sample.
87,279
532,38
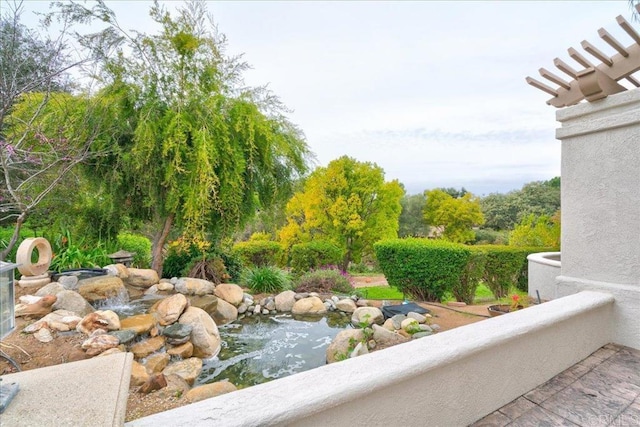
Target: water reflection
262,348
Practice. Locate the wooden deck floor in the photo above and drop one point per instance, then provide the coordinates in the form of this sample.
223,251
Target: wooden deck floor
601,390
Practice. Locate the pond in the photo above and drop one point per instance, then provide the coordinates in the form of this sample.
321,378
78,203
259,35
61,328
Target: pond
259,349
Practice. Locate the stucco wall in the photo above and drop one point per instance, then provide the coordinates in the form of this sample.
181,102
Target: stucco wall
601,189
451,378
601,205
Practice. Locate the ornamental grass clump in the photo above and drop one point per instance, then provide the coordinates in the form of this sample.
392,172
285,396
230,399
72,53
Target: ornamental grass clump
267,280
325,280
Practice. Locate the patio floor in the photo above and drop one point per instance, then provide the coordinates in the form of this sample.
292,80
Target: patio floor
601,390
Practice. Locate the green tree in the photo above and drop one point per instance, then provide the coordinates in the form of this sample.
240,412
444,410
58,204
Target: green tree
455,217
411,222
347,203
537,231
504,211
204,152
38,153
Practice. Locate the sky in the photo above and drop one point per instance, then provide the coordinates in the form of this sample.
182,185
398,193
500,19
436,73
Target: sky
432,92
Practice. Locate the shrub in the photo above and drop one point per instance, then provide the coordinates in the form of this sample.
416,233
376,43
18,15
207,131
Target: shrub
486,236
259,253
268,279
326,280
465,289
182,258
137,244
507,266
424,269
313,255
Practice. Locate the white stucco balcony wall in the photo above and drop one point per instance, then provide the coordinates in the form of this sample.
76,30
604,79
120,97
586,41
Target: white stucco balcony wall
544,268
448,379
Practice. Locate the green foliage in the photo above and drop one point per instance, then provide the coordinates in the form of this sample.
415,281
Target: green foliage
138,244
537,231
202,151
455,216
268,279
504,211
424,269
313,255
69,254
347,203
259,253
325,281
507,267
465,289
486,236
502,269
411,221
5,236
182,258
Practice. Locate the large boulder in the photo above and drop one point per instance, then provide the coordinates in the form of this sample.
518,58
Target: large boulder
343,344
144,348
367,316
385,338
169,309
184,351
118,270
51,289
225,312
285,301
177,333
209,390
97,344
106,320
208,303
157,362
176,386
72,301
347,305
233,294
309,305
191,286
204,335
38,309
142,277
188,369
140,323
139,374
101,288
69,282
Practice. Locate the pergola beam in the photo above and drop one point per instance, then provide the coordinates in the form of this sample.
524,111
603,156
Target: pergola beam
594,81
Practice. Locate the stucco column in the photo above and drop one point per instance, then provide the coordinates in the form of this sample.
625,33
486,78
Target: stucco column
601,204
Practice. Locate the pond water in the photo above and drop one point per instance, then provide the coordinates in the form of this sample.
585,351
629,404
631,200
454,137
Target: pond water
259,349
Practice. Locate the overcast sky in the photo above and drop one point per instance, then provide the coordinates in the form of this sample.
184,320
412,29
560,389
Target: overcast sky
433,92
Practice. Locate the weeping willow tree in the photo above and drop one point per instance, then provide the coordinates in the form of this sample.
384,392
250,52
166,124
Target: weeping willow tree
205,152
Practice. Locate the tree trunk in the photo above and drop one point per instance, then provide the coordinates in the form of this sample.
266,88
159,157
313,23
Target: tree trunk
14,237
158,244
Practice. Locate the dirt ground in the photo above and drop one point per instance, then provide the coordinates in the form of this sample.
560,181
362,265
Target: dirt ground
29,353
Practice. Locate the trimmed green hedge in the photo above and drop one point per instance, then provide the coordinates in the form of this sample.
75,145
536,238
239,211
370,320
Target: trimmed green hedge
309,256
259,253
507,266
465,289
424,269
